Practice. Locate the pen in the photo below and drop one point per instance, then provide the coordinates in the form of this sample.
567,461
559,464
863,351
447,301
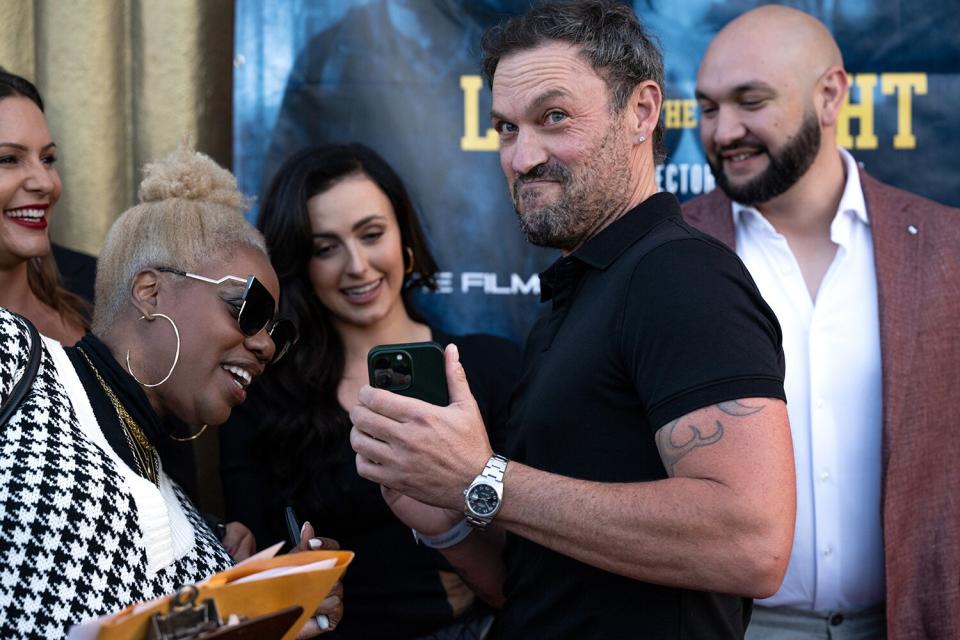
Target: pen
293,526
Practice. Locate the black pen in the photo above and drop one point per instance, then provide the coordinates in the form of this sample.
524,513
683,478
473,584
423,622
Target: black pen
293,526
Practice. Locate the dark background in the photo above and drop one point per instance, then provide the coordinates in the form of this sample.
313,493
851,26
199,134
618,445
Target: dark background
388,73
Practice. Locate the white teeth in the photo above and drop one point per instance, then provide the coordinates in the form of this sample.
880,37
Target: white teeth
35,214
359,291
741,156
244,376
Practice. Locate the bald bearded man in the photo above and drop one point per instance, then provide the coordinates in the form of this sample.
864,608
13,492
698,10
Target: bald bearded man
865,280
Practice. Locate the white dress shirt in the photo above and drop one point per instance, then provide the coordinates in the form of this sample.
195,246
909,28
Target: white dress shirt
834,399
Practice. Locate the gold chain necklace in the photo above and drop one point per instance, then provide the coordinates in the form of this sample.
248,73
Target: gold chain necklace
144,453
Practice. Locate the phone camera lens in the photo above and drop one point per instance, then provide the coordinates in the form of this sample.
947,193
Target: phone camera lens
383,378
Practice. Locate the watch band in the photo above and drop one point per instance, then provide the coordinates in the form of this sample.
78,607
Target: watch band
454,535
496,467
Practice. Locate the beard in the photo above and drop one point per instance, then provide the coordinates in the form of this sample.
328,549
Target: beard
589,197
786,167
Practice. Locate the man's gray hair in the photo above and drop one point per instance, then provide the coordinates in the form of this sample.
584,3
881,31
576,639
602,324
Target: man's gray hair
609,35
190,213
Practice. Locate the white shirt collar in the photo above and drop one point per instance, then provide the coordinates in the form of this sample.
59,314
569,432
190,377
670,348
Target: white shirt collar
852,198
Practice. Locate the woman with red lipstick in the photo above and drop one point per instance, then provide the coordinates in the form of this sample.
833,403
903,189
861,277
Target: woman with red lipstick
184,321
29,187
350,252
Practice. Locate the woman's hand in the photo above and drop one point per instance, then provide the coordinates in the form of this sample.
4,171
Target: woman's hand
239,541
329,613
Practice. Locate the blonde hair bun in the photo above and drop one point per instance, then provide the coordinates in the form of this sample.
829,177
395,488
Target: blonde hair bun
190,175
190,213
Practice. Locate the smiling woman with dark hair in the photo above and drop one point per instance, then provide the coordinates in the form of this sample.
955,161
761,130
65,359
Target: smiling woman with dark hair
29,188
184,322
349,252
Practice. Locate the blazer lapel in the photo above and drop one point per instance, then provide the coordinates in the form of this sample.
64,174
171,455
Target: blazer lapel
713,214
896,259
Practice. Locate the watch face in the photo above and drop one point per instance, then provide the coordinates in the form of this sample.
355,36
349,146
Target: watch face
483,500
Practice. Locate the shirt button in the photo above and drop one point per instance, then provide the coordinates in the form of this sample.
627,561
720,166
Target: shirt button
824,476
836,619
827,550
819,404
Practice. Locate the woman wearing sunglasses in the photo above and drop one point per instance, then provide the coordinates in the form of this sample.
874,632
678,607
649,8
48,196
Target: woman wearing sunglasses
184,322
349,251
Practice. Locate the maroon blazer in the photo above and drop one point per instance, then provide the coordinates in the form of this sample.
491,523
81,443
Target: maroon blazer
916,245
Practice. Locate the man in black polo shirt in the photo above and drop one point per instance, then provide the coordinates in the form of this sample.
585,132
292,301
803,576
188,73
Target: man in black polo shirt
650,468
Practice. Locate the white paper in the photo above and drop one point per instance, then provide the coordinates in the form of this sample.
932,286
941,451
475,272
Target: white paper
283,571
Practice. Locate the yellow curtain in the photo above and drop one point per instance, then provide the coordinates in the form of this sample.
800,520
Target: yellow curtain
122,82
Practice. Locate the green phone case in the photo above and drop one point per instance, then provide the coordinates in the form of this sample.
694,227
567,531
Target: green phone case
426,380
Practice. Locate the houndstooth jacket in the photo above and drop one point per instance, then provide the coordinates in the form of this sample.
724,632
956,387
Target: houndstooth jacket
81,534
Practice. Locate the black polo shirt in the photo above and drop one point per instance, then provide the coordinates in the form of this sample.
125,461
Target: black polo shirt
649,320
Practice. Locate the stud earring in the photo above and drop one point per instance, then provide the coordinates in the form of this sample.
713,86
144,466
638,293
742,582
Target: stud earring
643,139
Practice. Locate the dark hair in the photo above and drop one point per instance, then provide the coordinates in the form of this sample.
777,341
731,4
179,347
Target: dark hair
13,85
42,274
608,33
303,425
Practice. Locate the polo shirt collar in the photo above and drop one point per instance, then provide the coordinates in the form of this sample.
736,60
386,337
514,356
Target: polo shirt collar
604,248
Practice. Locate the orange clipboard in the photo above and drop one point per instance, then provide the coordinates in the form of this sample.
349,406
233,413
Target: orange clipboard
306,589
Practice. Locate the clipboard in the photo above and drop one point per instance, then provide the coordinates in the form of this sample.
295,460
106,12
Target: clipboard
269,627
288,585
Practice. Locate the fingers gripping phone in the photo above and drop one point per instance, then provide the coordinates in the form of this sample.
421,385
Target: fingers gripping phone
413,369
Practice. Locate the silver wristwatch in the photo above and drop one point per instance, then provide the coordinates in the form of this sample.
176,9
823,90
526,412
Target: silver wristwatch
483,498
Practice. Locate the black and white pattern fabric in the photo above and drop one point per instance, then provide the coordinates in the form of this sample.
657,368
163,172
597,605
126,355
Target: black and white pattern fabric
73,541
14,339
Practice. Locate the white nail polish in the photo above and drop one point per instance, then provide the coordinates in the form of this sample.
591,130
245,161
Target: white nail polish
315,543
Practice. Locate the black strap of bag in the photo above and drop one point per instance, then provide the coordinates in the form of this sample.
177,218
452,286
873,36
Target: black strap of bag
26,380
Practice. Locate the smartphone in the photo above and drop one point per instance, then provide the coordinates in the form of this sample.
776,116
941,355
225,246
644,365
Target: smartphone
413,369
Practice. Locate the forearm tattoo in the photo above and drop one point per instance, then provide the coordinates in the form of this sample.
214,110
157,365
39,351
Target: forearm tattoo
681,436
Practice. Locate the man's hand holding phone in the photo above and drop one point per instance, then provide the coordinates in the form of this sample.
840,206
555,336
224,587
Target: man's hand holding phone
427,452
424,456
413,369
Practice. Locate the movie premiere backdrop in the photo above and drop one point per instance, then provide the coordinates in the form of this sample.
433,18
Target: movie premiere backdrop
403,77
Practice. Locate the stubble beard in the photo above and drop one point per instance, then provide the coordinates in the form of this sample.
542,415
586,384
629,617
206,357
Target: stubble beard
587,199
786,167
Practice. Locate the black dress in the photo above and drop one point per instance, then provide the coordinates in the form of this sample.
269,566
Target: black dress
393,588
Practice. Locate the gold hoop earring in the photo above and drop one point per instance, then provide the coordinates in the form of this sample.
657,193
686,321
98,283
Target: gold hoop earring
189,438
409,268
176,356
